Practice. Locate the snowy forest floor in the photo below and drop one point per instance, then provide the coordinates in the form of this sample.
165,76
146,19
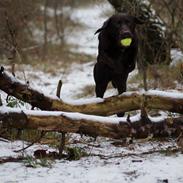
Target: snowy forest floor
107,161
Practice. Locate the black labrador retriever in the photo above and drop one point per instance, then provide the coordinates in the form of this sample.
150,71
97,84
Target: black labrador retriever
115,61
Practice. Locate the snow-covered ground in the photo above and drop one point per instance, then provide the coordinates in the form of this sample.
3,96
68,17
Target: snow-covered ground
106,163
134,163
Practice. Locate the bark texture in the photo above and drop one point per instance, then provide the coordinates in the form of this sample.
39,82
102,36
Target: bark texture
65,122
112,105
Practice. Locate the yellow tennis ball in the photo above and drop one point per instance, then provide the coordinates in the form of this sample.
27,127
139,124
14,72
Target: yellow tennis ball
126,41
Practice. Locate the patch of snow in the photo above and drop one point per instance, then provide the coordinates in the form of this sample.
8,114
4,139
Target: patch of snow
50,11
177,57
158,118
85,101
93,19
174,94
80,75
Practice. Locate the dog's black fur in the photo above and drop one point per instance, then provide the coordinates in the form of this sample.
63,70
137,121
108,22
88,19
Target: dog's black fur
114,61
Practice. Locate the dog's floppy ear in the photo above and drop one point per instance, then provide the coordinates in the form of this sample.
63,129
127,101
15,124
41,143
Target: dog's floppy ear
105,24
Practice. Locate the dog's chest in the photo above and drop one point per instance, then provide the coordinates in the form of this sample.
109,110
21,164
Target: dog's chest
121,55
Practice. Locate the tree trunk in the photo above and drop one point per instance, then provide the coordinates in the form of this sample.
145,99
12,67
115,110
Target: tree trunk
45,46
59,20
1,101
129,101
153,42
89,125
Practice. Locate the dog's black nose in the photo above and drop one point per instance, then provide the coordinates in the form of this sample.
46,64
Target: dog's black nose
125,34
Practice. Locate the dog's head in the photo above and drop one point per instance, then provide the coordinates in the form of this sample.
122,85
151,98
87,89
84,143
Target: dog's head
120,26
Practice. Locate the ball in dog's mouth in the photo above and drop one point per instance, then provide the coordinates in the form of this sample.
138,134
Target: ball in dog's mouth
126,41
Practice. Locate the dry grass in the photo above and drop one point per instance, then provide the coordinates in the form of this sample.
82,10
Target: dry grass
87,91
159,77
58,58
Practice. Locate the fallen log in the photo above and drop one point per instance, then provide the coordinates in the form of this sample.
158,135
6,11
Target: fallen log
94,126
24,92
129,101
